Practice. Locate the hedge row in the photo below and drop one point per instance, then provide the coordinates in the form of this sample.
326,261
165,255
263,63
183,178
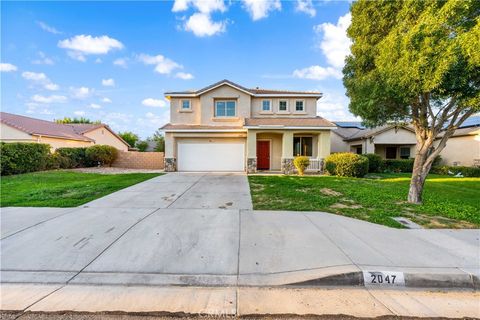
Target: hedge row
464,171
22,157
346,164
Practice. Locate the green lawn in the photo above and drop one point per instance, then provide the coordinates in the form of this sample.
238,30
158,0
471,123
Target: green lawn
448,202
63,188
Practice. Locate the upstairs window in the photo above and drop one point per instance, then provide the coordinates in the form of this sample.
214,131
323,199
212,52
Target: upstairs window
266,105
282,105
225,108
299,105
302,146
185,104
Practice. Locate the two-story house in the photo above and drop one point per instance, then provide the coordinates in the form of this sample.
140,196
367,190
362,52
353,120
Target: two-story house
227,127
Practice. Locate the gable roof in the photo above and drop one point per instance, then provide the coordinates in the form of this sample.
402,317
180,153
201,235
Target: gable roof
38,127
256,92
367,133
41,127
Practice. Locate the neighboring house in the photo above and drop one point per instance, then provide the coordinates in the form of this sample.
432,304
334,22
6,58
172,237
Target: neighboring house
16,128
399,142
227,127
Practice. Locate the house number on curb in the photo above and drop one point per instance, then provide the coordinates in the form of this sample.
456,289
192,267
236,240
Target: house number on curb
383,278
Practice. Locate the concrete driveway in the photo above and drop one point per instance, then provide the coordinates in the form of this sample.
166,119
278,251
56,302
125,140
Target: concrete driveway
200,229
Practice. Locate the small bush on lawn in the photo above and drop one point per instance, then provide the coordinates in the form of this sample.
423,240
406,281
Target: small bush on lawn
101,154
301,163
22,157
375,162
77,156
346,164
402,165
465,171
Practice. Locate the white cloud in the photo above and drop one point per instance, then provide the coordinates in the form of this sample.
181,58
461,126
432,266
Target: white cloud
154,103
33,107
106,100
334,106
121,62
49,99
184,75
305,6
7,67
79,113
335,44
48,28
259,9
162,64
317,73
155,121
204,6
98,60
81,92
40,79
108,82
202,25
43,59
82,45
95,106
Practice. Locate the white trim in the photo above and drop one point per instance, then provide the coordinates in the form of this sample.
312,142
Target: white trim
204,130
215,101
283,111
189,105
283,127
301,95
304,109
270,110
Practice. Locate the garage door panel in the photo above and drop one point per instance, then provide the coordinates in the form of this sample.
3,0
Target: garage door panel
215,156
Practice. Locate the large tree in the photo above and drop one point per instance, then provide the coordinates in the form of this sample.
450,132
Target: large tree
416,62
67,120
130,137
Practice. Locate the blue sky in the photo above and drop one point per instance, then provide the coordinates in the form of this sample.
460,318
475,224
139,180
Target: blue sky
113,61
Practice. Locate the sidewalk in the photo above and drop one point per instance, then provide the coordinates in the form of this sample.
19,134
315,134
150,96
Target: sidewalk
192,301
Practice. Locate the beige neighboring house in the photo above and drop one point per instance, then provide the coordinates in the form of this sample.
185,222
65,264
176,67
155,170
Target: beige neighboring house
399,142
16,128
227,127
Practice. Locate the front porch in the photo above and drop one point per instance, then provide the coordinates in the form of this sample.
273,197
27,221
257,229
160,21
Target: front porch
271,150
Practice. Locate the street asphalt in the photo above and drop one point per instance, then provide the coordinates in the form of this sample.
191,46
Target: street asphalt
201,230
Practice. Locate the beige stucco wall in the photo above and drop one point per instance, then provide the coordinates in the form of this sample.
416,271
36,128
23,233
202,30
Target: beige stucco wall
309,103
56,143
462,151
275,148
104,136
401,136
202,108
10,134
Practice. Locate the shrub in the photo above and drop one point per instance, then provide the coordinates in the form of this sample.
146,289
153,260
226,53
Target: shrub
346,164
142,146
101,154
301,163
401,165
22,157
375,162
77,156
465,171
57,161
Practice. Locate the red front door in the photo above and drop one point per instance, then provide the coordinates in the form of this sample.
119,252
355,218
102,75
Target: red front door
263,155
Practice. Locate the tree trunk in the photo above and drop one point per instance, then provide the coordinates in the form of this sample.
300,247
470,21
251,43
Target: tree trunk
419,175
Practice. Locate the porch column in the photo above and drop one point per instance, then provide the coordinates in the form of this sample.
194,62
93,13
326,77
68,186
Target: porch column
323,145
251,151
169,160
369,146
287,152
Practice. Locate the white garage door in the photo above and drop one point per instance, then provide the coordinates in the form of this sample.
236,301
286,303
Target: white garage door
213,156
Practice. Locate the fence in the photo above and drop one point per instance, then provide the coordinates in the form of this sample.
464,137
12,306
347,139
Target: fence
139,160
